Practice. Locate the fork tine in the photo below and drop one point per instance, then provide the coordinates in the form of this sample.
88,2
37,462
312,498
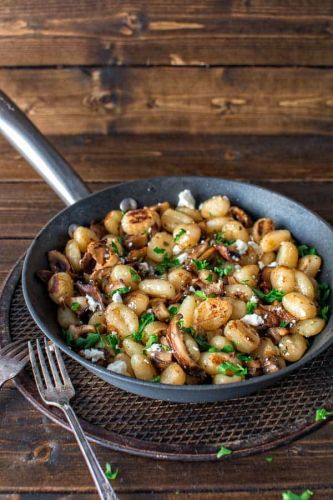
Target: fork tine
35,369
62,367
54,370
44,368
12,348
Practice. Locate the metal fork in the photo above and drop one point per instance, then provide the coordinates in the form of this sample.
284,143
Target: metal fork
58,392
13,357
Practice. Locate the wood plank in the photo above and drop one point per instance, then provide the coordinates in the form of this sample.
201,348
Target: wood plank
10,251
263,101
35,32
119,157
45,458
25,208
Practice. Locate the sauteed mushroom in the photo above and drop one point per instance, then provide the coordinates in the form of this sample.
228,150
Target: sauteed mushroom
58,262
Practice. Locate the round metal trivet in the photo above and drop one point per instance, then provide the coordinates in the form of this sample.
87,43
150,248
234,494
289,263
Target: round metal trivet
159,429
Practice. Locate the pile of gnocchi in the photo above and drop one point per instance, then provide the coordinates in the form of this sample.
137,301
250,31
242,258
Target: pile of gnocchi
186,295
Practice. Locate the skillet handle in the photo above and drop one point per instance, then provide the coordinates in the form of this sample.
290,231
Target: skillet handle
42,156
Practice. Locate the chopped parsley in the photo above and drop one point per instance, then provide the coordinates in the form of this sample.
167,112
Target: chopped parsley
179,234
152,339
201,294
269,460
159,250
166,264
324,295
322,414
156,379
244,357
173,310
283,324
250,307
226,348
68,337
209,278
270,296
224,270
202,343
75,306
143,322
306,250
110,474
88,342
226,367
223,452
186,329
134,275
112,339
221,240
115,248
200,264
122,290
289,495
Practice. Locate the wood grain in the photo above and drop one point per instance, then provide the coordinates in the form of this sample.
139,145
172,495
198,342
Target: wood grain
115,158
37,447
101,32
263,101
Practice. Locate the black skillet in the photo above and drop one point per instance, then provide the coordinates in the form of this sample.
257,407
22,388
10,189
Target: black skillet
84,207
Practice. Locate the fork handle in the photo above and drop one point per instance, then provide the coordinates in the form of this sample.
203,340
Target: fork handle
104,488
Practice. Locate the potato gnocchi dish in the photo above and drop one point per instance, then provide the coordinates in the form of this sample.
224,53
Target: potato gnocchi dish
186,295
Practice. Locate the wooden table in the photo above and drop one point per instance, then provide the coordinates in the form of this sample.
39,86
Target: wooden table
239,89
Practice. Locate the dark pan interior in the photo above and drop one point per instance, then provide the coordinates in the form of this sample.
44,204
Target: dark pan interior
305,226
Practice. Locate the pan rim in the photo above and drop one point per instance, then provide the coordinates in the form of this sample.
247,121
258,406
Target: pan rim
218,388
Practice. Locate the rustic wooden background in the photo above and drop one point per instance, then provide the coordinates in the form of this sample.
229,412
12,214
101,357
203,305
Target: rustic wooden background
126,89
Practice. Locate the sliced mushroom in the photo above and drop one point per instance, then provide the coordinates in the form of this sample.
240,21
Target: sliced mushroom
91,290
254,367
229,253
175,338
136,254
44,275
159,309
161,359
98,229
273,364
87,263
275,334
216,288
103,254
78,331
240,215
58,262
273,315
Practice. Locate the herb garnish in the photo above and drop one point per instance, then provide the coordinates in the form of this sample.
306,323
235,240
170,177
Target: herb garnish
110,474
173,310
202,343
226,348
115,248
152,339
283,324
159,250
269,460
223,452
200,264
224,270
306,250
179,234
226,367
201,294
209,278
250,307
89,341
244,357
143,322
221,240
134,275
156,379
186,329
75,306
112,339
322,414
270,296
289,495
324,295
122,290
166,263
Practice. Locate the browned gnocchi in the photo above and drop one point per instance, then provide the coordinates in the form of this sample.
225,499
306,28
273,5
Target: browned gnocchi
187,294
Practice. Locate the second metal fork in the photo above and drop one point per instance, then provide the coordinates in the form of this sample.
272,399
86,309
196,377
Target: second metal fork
57,391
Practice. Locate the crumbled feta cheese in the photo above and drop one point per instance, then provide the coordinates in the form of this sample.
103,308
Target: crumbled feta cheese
273,264
191,289
185,199
144,266
182,257
254,299
93,354
118,366
237,267
177,249
253,319
200,206
116,297
93,305
155,348
225,198
261,264
241,247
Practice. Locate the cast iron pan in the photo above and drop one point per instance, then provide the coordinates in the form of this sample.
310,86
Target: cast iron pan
84,207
